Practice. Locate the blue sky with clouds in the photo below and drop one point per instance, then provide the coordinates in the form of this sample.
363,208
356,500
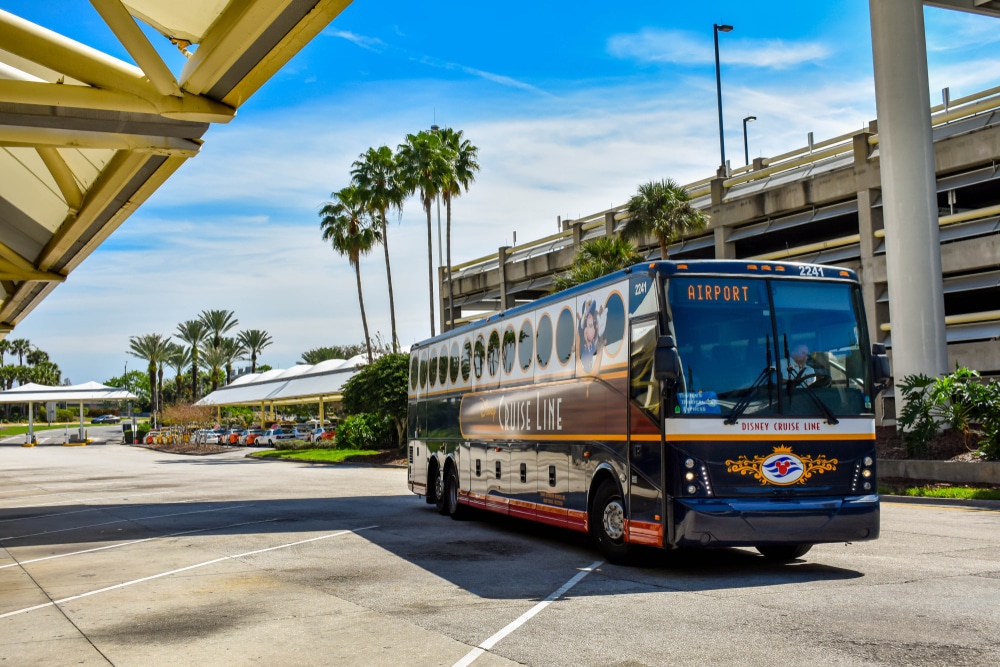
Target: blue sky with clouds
572,105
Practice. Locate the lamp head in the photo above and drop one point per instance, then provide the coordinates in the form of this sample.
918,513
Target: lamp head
723,28
749,119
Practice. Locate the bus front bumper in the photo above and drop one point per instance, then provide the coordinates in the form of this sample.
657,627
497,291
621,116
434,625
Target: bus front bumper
721,522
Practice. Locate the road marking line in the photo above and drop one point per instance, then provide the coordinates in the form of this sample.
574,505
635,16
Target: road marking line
942,507
85,500
486,645
62,493
96,508
145,539
108,523
182,569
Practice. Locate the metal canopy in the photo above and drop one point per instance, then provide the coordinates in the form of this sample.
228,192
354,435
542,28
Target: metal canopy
85,138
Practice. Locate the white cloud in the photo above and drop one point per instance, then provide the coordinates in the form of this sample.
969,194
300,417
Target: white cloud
678,47
950,30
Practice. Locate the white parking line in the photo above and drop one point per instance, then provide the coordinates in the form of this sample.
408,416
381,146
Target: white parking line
145,539
86,500
471,656
96,508
108,523
183,569
61,493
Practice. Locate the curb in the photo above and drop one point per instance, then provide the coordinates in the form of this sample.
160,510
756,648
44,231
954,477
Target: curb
943,502
356,464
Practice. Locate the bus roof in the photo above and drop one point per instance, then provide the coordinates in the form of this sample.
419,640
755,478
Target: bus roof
665,268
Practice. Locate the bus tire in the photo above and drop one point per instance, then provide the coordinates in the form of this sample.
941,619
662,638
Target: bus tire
432,473
783,553
453,508
607,523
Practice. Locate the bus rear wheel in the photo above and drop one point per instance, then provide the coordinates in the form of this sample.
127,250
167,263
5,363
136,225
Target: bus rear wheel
452,507
783,553
607,523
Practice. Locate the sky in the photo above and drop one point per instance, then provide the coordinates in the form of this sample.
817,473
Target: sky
572,106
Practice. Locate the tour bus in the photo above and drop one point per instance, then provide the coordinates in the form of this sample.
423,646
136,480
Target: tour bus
706,403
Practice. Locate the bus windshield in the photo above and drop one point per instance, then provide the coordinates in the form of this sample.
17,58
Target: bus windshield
761,347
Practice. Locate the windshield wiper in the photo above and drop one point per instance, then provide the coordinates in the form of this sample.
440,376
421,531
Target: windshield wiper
827,412
744,403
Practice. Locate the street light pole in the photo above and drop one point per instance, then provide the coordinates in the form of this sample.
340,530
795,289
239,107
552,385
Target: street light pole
746,146
716,29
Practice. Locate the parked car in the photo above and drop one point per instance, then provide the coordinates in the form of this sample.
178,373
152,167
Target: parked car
273,435
329,433
207,436
314,435
301,433
232,437
106,419
249,436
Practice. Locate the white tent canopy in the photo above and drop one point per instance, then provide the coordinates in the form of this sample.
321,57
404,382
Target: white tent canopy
87,392
321,383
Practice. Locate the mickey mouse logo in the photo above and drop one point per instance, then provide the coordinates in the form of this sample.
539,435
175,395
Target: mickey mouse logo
782,467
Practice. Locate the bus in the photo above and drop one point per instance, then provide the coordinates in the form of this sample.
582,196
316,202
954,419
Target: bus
706,403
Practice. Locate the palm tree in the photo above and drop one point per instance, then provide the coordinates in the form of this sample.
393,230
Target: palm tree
153,348
463,173
193,333
255,340
215,359
233,351
4,349
662,209
598,257
36,357
347,226
20,347
320,354
179,356
425,166
218,322
376,174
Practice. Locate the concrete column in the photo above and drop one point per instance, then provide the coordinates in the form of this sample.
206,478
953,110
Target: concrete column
906,152
577,236
506,301
609,224
724,248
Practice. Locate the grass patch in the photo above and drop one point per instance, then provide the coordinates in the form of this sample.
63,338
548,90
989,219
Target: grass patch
21,430
959,492
315,454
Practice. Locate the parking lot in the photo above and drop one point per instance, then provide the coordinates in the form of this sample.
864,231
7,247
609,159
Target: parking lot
121,555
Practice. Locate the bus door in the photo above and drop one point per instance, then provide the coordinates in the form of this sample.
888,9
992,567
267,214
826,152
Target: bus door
496,473
644,443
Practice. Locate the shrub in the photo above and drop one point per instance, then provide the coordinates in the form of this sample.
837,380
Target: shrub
366,430
959,399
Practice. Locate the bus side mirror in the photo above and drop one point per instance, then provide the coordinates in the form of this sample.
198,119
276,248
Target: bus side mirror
667,362
880,364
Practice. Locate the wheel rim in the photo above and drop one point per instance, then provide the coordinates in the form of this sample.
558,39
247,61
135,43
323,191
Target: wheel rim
614,520
438,487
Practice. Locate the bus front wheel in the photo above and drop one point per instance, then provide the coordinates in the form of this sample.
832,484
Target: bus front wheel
783,553
607,522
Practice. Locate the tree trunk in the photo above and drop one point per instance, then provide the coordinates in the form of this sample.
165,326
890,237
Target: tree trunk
430,262
194,374
451,301
364,317
388,278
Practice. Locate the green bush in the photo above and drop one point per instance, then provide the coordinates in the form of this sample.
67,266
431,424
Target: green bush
366,430
961,400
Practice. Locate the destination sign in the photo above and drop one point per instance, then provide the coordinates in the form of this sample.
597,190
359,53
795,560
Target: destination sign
709,291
